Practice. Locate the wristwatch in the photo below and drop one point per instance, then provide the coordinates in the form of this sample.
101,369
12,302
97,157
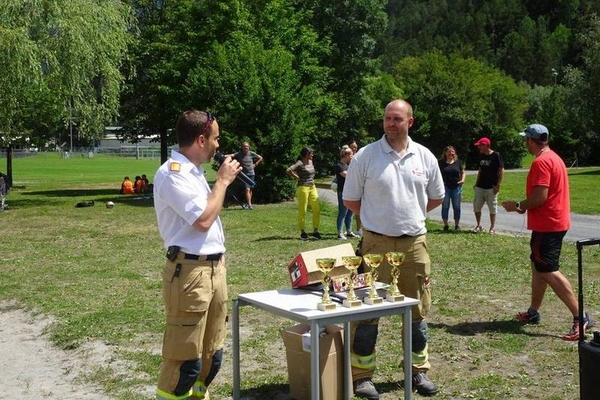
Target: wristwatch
518,206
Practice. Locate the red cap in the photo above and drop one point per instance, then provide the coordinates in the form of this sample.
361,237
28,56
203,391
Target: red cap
483,142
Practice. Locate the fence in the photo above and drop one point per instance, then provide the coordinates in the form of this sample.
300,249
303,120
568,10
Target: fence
132,151
137,152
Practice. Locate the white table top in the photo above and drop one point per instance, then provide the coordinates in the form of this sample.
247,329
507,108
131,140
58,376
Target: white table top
300,306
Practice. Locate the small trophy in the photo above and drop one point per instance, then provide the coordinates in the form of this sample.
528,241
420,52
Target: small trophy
326,265
373,261
394,259
352,263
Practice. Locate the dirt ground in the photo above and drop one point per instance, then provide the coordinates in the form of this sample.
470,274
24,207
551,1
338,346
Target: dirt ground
34,368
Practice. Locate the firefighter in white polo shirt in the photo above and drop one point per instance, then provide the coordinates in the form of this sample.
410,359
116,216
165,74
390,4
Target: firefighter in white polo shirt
194,278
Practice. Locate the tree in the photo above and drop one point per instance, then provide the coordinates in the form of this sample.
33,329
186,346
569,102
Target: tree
570,109
472,28
457,100
582,97
353,29
61,61
266,81
534,41
256,65
173,38
558,108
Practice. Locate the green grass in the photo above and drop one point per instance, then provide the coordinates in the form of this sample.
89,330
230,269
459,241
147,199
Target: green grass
97,271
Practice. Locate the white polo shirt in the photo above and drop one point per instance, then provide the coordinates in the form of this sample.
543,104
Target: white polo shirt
180,196
393,190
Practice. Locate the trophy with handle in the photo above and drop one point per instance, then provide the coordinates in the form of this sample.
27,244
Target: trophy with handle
326,265
352,263
395,259
373,261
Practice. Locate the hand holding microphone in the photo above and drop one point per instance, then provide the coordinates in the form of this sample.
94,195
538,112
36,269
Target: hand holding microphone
220,158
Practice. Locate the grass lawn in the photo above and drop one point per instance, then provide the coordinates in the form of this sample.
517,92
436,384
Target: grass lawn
97,271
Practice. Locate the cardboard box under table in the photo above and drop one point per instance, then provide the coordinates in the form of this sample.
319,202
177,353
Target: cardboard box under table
301,306
297,347
304,271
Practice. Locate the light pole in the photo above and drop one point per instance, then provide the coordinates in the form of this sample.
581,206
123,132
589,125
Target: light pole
555,73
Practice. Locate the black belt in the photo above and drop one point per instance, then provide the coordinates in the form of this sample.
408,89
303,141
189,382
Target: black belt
209,257
395,237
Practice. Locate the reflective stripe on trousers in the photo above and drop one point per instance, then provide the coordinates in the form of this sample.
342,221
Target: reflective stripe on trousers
162,395
199,389
363,362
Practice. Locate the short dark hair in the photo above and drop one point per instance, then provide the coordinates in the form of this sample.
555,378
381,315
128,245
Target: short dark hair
305,151
541,141
191,124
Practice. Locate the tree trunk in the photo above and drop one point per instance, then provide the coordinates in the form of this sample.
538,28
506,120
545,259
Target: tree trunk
9,167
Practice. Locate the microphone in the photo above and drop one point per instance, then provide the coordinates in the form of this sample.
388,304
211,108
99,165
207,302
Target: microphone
219,157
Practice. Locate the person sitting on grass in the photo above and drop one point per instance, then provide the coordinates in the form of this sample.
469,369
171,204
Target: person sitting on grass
139,186
127,186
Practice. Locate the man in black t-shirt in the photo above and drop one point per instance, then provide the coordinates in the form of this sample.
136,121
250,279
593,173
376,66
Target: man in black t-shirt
487,186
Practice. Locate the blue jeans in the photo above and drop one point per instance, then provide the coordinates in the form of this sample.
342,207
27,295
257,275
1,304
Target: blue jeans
344,215
452,195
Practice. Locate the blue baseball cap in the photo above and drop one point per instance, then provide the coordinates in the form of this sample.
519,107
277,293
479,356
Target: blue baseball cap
536,132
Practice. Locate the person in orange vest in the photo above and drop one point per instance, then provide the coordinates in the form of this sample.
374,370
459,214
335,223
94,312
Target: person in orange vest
127,186
146,183
139,185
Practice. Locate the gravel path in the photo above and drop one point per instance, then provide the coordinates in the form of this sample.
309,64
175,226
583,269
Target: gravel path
32,368
582,226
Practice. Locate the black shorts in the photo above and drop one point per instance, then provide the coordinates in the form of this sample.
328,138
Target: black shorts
253,181
545,250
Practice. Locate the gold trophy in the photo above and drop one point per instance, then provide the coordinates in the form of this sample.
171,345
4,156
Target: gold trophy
395,259
326,265
373,261
352,263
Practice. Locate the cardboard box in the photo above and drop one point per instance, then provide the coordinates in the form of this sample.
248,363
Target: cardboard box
303,268
331,362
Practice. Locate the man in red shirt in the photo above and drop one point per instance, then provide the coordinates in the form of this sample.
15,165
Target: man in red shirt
548,217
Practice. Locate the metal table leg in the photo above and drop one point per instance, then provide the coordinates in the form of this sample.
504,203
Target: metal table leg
235,309
407,346
315,371
347,365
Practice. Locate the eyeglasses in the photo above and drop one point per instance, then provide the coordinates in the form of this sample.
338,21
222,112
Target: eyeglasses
209,120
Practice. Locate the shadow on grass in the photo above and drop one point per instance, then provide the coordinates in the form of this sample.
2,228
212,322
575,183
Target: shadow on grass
76,192
99,196
452,231
274,391
473,328
592,172
282,391
392,386
324,236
